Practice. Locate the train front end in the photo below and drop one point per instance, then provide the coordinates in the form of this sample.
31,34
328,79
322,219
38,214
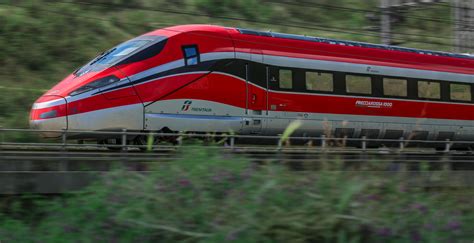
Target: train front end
49,114
100,95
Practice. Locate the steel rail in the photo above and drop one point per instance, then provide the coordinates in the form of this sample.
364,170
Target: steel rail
349,158
313,146
322,141
86,159
239,152
221,135
395,173
247,150
252,152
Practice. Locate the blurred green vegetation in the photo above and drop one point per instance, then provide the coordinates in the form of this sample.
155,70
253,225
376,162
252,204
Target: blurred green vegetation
211,197
42,41
206,196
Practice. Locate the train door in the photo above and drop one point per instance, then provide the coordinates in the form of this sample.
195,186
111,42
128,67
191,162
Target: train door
257,94
281,79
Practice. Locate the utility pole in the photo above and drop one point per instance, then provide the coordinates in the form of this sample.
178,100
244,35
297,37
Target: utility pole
390,9
463,21
385,23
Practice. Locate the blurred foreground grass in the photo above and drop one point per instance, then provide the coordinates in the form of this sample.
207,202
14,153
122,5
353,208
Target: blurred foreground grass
211,197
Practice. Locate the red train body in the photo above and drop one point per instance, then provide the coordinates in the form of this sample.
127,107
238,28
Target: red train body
204,78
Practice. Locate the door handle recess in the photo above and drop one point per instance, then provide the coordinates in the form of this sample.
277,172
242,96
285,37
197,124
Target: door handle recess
254,98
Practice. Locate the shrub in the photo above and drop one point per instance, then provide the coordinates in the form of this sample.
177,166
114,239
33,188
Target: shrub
211,197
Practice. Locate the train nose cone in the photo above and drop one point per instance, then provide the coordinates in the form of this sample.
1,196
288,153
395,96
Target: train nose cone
49,115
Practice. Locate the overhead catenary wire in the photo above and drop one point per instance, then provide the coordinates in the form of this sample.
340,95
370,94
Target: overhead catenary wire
296,25
285,24
247,20
455,24
364,11
453,6
324,51
84,16
206,15
268,44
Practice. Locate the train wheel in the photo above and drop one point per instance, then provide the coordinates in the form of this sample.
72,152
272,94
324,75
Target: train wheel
142,142
169,139
115,144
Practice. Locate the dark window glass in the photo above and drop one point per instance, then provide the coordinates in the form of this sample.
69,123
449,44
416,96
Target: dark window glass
318,81
395,87
190,51
286,79
358,84
461,92
429,90
131,51
146,53
123,50
191,55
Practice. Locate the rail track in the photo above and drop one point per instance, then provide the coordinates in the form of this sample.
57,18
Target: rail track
61,165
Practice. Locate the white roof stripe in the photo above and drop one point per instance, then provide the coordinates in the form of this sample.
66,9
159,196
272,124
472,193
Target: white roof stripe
293,62
48,104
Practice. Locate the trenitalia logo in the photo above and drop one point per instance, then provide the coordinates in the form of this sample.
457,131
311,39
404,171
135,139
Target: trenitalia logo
373,104
186,105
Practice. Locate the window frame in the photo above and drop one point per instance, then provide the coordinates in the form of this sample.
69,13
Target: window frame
340,84
187,58
417,82
469,88
292,78
407,87
371,79
333,81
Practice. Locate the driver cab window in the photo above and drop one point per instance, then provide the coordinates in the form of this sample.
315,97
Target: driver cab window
191,55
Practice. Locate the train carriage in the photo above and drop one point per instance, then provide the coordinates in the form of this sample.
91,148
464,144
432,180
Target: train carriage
202,78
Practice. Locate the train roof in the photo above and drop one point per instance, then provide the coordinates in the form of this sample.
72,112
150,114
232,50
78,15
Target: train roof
216,28
351,43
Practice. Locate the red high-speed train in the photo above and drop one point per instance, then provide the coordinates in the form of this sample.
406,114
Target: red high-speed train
203,78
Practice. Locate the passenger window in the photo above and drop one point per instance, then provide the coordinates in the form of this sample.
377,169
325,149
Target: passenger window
319,81
286,79
461,92
358,84
395,87
191,55
429,90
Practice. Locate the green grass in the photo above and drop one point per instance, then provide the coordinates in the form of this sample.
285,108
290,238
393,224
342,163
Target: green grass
211,197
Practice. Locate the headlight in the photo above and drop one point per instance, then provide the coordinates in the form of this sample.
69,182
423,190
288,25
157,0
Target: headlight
49,114
95,85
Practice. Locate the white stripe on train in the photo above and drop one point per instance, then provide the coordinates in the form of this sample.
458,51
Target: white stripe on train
47,104
291,63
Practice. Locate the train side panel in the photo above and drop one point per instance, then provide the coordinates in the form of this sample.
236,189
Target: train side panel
194,97
349,115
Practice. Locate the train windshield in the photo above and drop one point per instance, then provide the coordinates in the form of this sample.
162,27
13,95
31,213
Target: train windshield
118,53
